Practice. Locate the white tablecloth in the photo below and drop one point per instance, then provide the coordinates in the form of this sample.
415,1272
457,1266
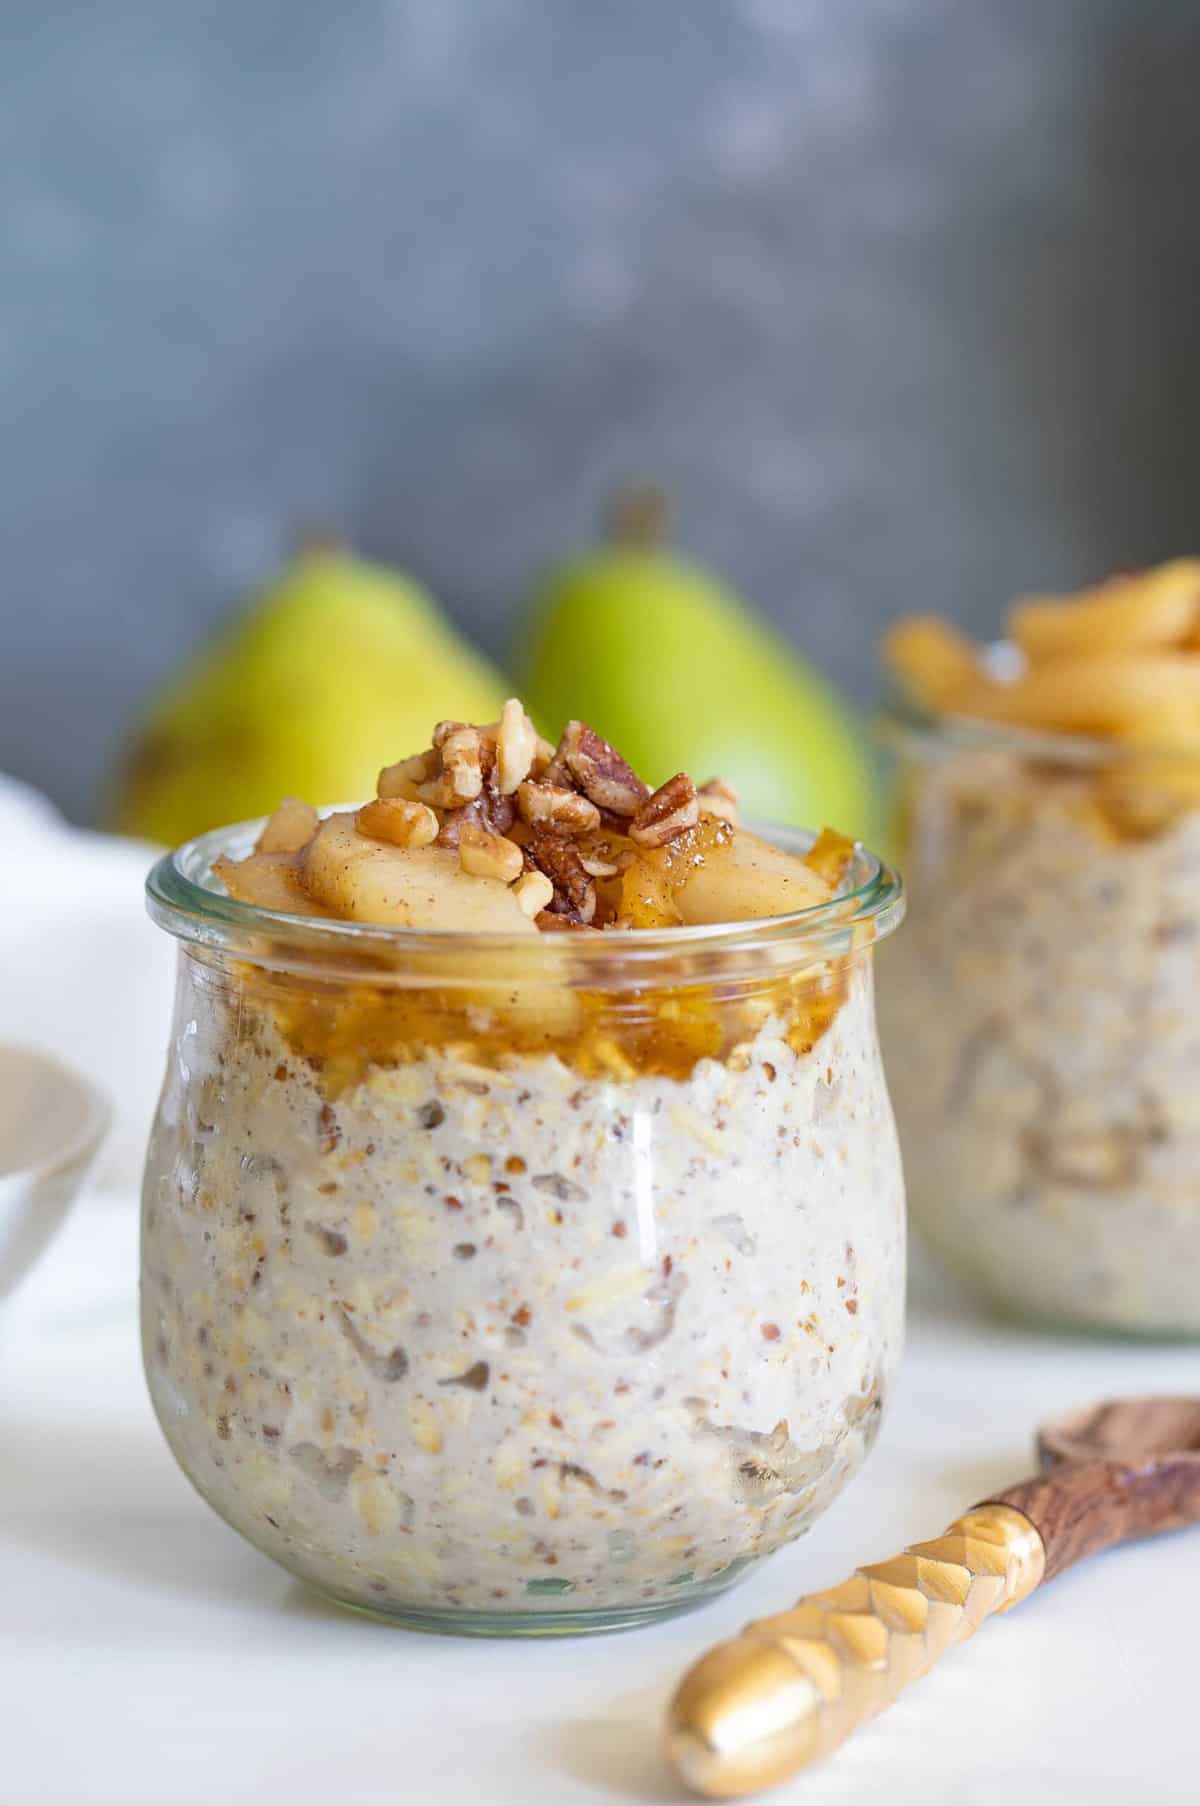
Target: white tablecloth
149,1658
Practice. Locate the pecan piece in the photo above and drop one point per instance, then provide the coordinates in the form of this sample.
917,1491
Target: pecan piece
393,818
516,746
407,776
488,855
550,923
488,810
558,857
596,867
462,767
599,771
549,805
533,891
543,758
670,812
604,854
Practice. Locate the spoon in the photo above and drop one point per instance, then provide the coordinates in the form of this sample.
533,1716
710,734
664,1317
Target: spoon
52,1121
791,1688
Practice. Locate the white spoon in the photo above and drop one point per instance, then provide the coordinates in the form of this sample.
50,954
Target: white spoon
52,1123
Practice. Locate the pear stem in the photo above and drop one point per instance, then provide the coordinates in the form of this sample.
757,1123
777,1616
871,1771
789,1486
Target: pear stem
637,516
312,536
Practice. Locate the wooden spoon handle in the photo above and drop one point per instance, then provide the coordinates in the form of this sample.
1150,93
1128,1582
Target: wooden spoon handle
1080,1508
789,1689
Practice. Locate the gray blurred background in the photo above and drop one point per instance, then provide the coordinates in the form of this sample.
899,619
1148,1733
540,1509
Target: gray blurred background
897,296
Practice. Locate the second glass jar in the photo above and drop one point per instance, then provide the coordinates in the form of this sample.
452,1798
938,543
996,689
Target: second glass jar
1040,1020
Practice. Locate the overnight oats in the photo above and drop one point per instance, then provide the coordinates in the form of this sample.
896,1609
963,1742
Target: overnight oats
1042,1010
523,1236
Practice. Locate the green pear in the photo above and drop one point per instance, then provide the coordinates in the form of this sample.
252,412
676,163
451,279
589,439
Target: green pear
334,670
671,667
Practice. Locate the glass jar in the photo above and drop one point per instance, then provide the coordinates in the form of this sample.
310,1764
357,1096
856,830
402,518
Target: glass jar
503,1284
1041,1016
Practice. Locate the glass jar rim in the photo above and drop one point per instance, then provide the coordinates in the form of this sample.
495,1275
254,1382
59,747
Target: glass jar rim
183,898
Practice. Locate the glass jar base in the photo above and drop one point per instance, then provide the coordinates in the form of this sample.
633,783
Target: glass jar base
1024,1300
584,1621
1071,1320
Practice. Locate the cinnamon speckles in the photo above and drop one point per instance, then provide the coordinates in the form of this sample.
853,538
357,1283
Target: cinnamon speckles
328,1125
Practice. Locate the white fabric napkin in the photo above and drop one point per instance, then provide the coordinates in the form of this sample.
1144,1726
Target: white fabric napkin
84,974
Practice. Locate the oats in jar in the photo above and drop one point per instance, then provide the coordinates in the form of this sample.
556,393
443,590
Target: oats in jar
523,1229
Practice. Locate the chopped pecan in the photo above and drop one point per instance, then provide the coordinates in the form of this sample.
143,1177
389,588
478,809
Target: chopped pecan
487,855
607,852
533,892
488,810
394,818
516,746
462,767
543,756
670,812
596,866
551,923
406,776
558,857
599,771
549,805
488,735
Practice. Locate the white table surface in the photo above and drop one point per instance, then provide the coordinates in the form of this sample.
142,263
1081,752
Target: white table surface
149,1658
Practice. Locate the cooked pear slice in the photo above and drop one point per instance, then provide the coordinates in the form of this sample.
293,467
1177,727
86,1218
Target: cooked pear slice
269,881
366,880
831,855
744,878
290,829
647,895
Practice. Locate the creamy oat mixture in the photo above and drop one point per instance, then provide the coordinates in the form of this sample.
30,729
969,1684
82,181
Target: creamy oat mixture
479,1338
469,1295
1040,1013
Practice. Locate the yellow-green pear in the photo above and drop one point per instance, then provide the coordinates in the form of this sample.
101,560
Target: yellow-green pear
670,666
335,670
